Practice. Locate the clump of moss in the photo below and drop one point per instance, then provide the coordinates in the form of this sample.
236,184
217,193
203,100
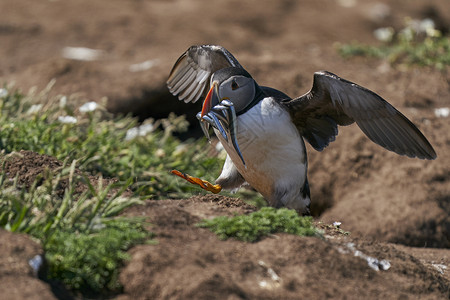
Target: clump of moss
267,220
90,261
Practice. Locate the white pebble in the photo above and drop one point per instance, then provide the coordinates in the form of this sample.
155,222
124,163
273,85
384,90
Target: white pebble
442,112
143,66
82,53
337,224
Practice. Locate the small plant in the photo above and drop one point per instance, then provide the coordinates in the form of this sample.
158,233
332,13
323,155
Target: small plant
419,43
267,220
90,261
83,239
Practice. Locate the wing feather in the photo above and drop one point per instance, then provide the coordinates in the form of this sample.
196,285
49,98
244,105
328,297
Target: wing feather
190,76
335,101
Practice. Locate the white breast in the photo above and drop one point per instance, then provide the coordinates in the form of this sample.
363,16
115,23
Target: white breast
272,149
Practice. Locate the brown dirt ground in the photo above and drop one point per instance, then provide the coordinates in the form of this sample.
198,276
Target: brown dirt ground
190,263
30,168
395,208
17,280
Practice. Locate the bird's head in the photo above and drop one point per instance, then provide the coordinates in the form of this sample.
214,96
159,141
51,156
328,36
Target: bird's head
233,84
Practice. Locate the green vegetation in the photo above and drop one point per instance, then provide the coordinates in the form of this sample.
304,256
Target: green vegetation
91,261
419,43
83,238
261,223
114,147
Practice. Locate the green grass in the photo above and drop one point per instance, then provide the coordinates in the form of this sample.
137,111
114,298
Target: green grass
267,220
91,261
406,47
98,142
84,238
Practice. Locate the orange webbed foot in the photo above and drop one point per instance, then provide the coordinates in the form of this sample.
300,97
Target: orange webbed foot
206,185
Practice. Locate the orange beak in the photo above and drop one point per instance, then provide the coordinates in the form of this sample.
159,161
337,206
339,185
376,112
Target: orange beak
209,100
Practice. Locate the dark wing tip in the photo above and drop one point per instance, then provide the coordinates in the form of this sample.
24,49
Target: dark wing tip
429,152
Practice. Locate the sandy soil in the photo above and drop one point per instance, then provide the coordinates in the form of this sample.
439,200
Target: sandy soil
396,208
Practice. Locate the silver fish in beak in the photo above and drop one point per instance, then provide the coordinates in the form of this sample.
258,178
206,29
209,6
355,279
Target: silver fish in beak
221,116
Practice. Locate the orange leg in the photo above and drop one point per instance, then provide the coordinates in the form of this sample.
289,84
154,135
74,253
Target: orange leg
215,188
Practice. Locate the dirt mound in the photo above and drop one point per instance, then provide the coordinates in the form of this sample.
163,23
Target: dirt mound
17,279
30,168
191,263
384,196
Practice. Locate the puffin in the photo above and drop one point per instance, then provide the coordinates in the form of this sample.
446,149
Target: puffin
263,130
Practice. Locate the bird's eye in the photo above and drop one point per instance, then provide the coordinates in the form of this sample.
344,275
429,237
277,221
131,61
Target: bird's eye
234,85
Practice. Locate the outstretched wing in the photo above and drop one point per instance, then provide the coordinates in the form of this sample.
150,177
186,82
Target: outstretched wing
190,76
335,101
